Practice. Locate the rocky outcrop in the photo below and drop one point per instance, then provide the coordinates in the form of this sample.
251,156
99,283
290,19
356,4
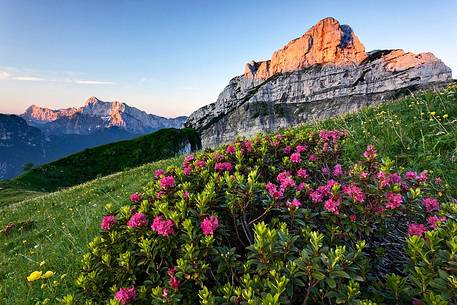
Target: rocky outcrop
95,115
321,74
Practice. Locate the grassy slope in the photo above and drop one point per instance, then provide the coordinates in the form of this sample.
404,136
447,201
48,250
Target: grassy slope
65,221
106,159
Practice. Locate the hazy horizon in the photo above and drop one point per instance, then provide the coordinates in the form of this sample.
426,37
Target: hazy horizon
171,58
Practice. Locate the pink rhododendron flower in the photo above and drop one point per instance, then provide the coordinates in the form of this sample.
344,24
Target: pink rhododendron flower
185,195
301,186
416,229
107,222
325,171
159,173
285,180
287,150
411,175
189,158
302,173
295,158
316,196
337,170
187,170
164,227
394,178
200,163
275,143
438,180
423,176
137,220
383,179
294,203
135,197
353,217
431,204
174,283
272,189
167,182
247,145
325,147
363,175
165,293
218,157
433,220
370,153
312,158
125,295
300,148
171,271
393,201
355,192
333,135
209,225
230,149
332,205
223,166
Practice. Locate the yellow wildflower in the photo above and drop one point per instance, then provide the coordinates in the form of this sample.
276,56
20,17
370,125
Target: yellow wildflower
47,275
445,116
42,263
35,275
432,113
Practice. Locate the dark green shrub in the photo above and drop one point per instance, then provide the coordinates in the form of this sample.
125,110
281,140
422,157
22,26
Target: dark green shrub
277,220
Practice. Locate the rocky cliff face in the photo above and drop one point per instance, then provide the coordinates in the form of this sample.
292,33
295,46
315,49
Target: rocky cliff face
95,115
323,73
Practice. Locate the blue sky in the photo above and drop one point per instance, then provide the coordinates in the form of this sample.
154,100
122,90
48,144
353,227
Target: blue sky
171,57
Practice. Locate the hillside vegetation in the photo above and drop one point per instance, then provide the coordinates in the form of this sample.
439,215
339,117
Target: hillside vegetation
107,159
50,232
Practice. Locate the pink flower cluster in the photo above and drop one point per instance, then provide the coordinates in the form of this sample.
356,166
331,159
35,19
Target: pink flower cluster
295,157
135,197
370,152
434,220
167,182
137,220
125,295
332,205
107,222
158,173
331,135
164,227
230,149
430,204
393,201
209,225
295,203
302,173
223,166
174,282
187,169
354,192
416,229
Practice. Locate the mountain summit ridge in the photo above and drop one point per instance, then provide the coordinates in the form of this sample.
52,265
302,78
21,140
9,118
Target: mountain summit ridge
323,73
96,114
326,42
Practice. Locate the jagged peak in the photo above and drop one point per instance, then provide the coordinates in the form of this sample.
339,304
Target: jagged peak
327,42
91,100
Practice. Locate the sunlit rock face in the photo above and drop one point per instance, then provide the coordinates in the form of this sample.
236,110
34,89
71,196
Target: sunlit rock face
95,115
323,73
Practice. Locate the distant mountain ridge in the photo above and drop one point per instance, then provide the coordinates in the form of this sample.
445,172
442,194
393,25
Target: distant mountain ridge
95,115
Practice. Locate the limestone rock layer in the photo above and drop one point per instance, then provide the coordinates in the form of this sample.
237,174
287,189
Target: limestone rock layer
323,73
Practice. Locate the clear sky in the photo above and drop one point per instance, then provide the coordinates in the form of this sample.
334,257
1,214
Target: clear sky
171,57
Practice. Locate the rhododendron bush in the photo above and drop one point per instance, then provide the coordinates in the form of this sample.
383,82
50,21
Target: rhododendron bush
280,219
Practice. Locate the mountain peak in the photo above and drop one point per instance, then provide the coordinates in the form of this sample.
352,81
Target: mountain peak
327,42
91,100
